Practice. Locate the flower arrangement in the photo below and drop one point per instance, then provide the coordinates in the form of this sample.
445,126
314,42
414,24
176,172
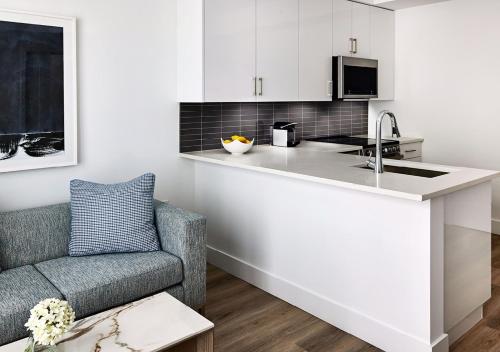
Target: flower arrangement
49,320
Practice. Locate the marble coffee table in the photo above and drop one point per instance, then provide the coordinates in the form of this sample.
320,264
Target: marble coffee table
156,323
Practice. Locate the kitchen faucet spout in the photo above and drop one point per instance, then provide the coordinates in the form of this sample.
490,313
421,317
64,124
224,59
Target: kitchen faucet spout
378,165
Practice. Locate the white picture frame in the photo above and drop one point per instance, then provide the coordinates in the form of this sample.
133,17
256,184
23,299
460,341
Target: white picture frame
69,156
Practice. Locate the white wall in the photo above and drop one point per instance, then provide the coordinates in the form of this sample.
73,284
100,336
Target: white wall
448,82
128,118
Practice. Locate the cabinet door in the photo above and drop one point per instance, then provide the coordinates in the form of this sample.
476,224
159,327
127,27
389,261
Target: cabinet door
342,27
229,50
278,50
315,49
383,48
361,29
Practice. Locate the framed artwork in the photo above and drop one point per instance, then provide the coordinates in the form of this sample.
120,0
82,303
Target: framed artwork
38,91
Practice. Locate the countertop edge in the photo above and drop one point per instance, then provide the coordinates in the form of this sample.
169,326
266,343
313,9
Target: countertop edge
478,181
341,184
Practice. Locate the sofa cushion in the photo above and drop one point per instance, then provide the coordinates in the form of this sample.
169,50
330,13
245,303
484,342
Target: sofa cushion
20,290
95,283
115,218
33,235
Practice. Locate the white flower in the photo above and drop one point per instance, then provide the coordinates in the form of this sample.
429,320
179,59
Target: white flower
49,320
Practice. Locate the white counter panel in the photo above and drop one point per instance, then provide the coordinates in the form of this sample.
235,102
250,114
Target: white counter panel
323,163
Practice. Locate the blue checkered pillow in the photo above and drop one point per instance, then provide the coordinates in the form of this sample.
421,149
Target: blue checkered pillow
113,218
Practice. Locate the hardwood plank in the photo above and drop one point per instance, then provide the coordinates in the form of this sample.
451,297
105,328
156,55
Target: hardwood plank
248,319
331,339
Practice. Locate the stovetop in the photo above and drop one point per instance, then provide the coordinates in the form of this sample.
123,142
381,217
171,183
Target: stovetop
358,141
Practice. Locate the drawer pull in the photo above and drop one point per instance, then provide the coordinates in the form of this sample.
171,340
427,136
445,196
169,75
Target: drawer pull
410,151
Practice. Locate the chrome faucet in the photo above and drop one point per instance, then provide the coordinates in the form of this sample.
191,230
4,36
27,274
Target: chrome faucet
378,165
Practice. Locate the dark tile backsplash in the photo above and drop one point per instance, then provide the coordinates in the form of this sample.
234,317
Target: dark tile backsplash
202,125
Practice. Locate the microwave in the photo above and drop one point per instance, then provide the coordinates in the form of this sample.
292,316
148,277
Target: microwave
354,78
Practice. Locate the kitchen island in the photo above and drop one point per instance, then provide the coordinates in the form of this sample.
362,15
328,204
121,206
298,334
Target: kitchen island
401,261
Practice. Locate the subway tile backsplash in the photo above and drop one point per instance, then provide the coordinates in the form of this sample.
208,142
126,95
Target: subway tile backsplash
202,125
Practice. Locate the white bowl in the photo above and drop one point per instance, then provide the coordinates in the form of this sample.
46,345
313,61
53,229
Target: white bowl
236,147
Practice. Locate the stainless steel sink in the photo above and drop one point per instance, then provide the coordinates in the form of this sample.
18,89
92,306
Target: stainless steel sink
410,171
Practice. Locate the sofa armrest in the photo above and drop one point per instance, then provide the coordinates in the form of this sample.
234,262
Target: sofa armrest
184,235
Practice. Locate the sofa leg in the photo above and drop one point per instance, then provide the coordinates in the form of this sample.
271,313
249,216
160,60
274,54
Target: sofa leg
201,310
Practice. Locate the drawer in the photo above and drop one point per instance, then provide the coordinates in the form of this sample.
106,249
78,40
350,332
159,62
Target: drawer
411,150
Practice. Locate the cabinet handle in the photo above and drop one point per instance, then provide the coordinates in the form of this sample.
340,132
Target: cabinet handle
261,86
355,46
254,86
329,88
351,45
410,151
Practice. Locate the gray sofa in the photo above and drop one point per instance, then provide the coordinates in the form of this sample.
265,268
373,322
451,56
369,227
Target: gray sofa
34,265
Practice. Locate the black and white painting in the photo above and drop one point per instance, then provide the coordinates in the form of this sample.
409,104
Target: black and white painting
37,91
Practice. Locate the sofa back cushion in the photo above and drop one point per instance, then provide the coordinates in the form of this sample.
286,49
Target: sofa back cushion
34,235
116,218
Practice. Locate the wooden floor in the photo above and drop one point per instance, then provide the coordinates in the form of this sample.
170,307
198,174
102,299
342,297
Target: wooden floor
485,336
248,319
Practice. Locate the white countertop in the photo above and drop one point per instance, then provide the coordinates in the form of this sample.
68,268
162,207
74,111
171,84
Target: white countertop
318,162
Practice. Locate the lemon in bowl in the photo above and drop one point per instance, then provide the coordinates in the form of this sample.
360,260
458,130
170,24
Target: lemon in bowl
237,145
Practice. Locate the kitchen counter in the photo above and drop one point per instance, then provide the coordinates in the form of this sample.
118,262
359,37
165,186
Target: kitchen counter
323,163
361,251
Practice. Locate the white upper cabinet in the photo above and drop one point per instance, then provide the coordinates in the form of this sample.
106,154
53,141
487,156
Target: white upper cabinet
277,50
361,30
383,49
367,32
315,49
351,29
342,28
229,50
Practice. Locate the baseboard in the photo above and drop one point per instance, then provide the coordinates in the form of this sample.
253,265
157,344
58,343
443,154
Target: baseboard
377,333
495,226
465,325
441,344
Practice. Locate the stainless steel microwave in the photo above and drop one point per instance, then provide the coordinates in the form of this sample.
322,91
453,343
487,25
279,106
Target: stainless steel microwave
354,78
